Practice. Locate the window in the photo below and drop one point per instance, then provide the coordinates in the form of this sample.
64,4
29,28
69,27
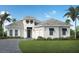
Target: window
51,31
36,23
11,32
27,21
16,32
64,31
31,21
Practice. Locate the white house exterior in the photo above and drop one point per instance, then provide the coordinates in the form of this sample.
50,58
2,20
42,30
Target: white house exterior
30,27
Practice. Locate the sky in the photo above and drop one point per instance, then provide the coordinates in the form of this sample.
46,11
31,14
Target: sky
40,12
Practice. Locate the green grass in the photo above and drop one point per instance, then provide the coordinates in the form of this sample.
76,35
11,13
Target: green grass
54,46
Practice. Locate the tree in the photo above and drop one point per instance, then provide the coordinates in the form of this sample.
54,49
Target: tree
3,16
14,20
67,21
73,13
72,33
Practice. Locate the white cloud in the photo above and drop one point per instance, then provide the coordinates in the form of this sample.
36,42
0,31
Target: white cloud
53,12
47,15
50,13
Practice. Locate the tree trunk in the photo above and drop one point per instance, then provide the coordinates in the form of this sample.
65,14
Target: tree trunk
75,29
1,29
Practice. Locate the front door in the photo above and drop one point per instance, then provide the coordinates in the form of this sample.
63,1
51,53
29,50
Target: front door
29,32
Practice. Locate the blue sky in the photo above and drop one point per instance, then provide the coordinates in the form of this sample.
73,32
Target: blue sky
41,12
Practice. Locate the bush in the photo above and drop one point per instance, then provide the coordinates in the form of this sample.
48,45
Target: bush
41,38
49,38
62,38
11,37
56,38
67,38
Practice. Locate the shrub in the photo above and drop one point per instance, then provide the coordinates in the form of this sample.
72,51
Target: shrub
11,37
49,38
56,38
62,38
41,38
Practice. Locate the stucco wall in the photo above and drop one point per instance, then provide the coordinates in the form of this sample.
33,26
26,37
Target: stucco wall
20,32
55,32
67,32
38,31
25,25
16,26
44,32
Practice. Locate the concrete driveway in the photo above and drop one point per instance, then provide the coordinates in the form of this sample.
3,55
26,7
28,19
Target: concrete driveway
9,46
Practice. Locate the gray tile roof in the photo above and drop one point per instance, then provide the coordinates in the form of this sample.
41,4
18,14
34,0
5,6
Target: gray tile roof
16,24
49,22
53,22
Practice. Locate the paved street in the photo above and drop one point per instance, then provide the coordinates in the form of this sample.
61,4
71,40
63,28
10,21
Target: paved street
9,46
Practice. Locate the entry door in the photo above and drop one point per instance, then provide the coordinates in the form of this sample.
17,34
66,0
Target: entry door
29,33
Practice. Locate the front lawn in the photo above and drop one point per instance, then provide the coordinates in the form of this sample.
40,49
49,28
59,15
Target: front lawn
54,46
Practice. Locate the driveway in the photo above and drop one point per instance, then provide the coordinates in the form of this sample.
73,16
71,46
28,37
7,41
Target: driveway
9,46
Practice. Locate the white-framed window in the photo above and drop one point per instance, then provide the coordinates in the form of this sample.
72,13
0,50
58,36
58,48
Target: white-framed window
16,32
11,32
51,31
64,30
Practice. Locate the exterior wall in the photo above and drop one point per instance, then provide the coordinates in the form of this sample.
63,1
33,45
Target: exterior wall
20,32
25,25
67,32
55,32
38,31
15,27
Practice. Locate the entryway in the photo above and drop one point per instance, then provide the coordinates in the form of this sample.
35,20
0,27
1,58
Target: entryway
29,32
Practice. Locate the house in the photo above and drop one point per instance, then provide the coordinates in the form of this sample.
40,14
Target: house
30,27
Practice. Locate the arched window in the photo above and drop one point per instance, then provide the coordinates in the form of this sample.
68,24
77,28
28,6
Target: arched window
27,21
31,21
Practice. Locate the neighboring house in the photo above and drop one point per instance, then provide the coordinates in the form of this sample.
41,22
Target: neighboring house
29,27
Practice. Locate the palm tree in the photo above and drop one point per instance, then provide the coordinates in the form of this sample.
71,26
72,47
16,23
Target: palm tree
73,13
14,20
4,16
67,21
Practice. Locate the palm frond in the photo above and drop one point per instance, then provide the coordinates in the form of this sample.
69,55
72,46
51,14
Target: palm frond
67,21
67,14
14,20
8,19
73,17
71,9
77,8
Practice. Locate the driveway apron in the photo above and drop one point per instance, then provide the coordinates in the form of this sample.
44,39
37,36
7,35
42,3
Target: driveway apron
9,46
